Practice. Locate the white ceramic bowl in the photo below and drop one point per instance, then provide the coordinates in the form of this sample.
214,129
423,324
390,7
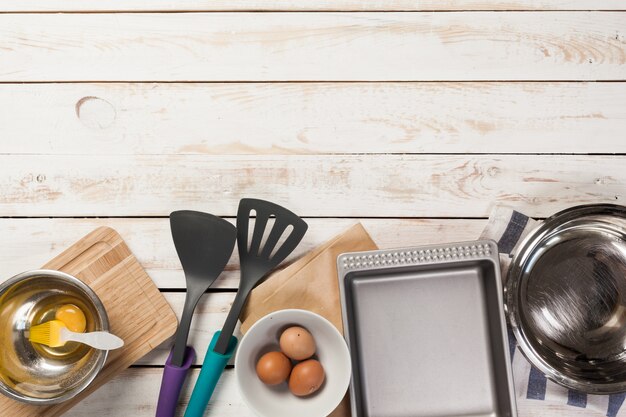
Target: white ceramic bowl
277,401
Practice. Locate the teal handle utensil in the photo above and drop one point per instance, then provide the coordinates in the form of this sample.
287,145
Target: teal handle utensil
256,263
212,368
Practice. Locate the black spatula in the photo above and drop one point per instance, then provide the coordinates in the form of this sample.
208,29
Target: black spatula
204,244
256,262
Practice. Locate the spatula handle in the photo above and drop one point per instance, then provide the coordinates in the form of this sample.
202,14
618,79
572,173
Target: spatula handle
172,382
212,368
222,345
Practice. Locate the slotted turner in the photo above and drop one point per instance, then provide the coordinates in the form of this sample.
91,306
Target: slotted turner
256,262
204,244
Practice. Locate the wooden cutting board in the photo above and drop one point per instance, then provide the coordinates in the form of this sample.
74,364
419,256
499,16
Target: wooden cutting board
138,313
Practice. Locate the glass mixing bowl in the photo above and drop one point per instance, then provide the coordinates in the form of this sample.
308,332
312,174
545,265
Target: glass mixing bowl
34,373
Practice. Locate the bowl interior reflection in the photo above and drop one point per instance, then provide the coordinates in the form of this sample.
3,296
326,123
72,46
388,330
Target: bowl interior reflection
570,311
36,373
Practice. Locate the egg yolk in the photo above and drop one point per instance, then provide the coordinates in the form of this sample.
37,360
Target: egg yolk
73,318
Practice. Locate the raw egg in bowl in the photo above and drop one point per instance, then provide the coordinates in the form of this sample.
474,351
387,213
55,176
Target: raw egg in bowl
34,373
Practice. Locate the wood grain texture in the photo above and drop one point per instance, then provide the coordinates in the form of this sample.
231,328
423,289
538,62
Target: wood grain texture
313,46
357,185
209,317
315,118
135,392
321,148
137,312
28,243
318,5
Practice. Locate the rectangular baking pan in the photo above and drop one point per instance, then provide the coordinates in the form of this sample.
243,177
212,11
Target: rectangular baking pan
427,332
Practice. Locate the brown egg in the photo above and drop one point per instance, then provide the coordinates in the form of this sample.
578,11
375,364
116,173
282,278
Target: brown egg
306,378
273,368
297,343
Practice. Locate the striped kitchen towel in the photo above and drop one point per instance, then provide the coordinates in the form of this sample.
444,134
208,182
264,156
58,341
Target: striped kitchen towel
508,227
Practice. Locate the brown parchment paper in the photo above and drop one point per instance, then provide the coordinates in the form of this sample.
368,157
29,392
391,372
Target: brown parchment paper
310,283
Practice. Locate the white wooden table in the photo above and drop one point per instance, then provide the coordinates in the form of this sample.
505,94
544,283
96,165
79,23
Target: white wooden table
414,117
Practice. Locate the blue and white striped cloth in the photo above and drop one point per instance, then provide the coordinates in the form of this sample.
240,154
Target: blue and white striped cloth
508,227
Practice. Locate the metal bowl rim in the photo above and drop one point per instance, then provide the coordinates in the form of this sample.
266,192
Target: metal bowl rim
104,319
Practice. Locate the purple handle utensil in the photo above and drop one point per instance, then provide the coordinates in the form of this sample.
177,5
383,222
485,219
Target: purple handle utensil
172,383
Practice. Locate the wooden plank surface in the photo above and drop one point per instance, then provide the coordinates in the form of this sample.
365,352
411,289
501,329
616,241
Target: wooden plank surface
313,46
209,317
135,394
290,130
315,118
29,243
318,5
136,391
357,185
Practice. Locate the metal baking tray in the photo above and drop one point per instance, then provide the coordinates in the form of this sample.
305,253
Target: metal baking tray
427,332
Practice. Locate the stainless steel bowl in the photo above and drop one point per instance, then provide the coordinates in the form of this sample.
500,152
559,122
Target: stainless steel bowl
566,298
33,373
